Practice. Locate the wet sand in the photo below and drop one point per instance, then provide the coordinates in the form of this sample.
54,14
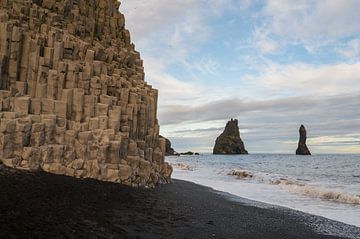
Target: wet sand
42,205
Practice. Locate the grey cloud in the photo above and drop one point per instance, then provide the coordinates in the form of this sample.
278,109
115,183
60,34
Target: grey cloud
301,107
199,130
313,19
342,143
219,109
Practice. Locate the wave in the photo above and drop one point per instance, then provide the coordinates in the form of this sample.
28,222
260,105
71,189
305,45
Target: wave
298,187
239,173
183,166
319,192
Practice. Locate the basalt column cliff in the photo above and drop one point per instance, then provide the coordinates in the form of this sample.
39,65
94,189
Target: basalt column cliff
73,98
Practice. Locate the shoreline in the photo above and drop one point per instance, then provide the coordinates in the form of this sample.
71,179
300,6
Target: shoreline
281,180
258,203
318,223
42,205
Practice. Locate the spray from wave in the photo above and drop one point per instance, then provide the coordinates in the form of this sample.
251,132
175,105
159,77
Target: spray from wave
319,192
183,166
298,187
241,174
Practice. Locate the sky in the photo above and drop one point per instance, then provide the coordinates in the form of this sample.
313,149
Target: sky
273,65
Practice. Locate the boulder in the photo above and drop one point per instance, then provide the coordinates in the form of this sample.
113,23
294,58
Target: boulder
229,142
302,148
187,153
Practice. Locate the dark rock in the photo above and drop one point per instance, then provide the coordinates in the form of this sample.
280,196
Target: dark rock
229,142
187,153
302,148
169,151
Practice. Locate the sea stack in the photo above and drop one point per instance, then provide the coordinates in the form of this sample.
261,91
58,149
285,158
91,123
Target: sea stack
229,142
73,96
169,151
302,148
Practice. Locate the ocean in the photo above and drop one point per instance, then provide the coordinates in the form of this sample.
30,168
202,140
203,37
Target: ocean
323,185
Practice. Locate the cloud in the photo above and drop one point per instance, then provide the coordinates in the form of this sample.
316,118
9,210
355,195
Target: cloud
306,79
262,41
350,50
345,143
308,20
175,26
207,130
245,4
168,34
347,139
295,107
271,83
151,17
170,87
206,66
214,110
308,23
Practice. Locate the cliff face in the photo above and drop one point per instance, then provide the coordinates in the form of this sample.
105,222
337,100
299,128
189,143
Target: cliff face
229,142
302,148
73,97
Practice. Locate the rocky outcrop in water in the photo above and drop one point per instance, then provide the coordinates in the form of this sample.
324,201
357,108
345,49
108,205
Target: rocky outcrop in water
229,142
73,99
302,148
169,151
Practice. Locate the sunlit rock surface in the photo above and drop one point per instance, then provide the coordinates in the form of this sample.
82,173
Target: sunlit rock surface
73,98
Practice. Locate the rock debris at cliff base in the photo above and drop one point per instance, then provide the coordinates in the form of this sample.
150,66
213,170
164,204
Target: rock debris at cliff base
73,98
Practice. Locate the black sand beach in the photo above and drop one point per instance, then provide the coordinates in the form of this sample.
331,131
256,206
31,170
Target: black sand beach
42,205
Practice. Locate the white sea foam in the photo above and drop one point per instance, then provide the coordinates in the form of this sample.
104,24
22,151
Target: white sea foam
319,192
240,174
183,166
298,187
325,185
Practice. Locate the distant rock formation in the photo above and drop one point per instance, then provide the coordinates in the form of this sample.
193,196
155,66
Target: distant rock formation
229,142
302,148
169,151
187,153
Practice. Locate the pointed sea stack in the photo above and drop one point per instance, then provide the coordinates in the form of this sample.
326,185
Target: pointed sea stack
229,142
302,148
